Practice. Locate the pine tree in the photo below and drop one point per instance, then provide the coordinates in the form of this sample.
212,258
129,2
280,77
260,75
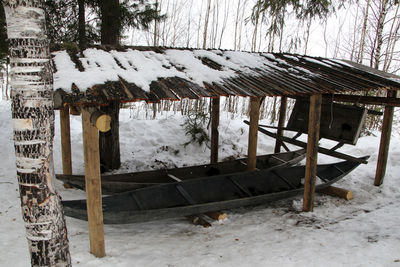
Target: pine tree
33,119
62,22
115,17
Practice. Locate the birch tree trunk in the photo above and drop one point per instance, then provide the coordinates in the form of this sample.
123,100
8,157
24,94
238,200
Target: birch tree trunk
375,61
206,24
363,34
236,25
33,120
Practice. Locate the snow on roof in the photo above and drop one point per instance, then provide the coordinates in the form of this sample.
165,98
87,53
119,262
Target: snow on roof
101,74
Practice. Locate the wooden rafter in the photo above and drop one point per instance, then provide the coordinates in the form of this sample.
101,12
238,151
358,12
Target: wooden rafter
369,100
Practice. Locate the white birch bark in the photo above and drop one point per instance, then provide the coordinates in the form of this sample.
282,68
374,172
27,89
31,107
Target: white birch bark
236,25
206,24
33,117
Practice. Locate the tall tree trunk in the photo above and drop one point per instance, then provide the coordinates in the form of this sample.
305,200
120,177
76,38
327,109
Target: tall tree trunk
225,21
33,119
254,38
188,24
110,22
7,78
206,24
379,33
81,24
109,142
155,36
236,25
199,25
363,34
393,37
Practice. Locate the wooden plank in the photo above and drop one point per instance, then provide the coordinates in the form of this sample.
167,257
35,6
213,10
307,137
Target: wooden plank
320,149
312,152
93,185
65,141
214,129
370,100
337,192
385,140
281,123
253,133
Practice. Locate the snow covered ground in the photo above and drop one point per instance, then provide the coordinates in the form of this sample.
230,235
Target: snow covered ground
362,232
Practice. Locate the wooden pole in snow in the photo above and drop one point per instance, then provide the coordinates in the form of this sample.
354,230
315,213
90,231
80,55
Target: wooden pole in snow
214,129
281,123
93,185
253,133
65,141
385,140
312,152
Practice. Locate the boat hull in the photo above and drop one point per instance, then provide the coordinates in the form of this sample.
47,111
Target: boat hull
202,195
119,183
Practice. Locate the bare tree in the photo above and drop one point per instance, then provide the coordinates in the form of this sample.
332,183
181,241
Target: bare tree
378,41
236,26
33,118
207,17
155,39
225,20
188,24
363,33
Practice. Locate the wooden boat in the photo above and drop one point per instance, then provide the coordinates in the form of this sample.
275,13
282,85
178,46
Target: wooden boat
201,195
118,183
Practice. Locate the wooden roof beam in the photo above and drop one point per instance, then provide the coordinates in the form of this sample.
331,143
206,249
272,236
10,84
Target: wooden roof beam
369,100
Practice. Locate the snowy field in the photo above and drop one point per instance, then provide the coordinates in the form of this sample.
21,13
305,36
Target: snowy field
362,232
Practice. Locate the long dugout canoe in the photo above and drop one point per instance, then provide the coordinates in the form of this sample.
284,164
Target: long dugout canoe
200,195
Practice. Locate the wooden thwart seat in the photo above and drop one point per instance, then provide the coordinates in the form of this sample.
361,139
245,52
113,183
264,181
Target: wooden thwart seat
197,219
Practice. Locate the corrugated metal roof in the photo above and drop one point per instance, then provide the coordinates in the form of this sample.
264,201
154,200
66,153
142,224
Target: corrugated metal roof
274,74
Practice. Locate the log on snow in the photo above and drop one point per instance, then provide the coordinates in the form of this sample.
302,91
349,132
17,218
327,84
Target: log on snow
337,192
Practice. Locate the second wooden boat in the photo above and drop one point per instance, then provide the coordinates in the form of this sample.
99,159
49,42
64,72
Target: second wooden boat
118,183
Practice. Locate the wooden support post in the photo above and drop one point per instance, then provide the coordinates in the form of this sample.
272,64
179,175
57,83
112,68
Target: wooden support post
65,141
214,129
93,185
385,140
312,152
253,133
281,123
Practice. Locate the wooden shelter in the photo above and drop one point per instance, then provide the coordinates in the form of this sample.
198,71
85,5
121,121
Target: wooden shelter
85,80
